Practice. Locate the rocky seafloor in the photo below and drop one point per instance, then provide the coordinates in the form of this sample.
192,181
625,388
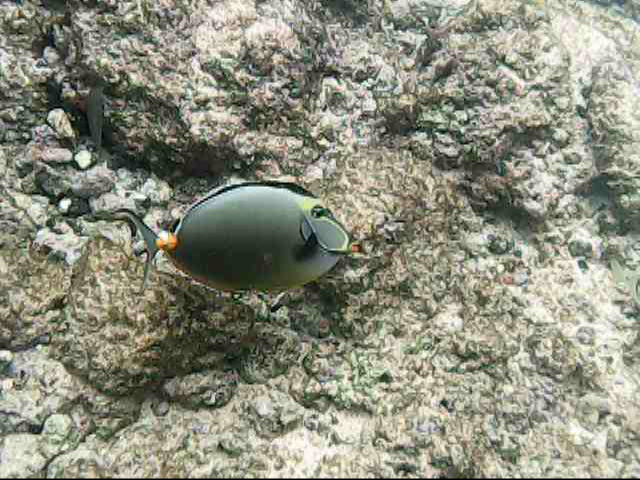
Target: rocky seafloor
486,154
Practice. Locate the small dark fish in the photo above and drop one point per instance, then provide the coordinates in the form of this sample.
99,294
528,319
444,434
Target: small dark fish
95,114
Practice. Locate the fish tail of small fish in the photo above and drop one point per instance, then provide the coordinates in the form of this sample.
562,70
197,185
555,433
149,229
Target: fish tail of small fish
148,235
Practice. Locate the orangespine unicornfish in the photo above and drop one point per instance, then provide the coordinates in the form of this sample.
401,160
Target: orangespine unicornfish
266,236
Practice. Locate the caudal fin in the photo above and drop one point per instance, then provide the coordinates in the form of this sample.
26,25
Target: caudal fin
147,234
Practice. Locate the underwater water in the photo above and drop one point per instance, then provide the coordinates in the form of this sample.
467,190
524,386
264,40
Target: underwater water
442,217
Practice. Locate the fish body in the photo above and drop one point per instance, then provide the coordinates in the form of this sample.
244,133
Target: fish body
95,114
266,236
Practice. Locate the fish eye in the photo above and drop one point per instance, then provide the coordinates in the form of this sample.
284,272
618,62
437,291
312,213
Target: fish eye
319,211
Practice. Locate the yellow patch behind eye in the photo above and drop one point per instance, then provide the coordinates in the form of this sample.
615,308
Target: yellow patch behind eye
307,203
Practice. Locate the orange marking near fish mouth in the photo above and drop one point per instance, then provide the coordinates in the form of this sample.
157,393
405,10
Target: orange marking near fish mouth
167,242
356,247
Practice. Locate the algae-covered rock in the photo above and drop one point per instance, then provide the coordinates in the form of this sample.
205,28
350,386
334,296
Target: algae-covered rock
122,340
202,389
274,414
34,292
20,456
483,154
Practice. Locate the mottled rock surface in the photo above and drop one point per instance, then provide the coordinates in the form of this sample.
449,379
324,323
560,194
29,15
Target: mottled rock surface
484,152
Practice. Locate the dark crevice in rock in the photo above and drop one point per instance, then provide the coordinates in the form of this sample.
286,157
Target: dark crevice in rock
43,339
46,40
598,189
522,221
597,186
23,426
355,12
54,94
